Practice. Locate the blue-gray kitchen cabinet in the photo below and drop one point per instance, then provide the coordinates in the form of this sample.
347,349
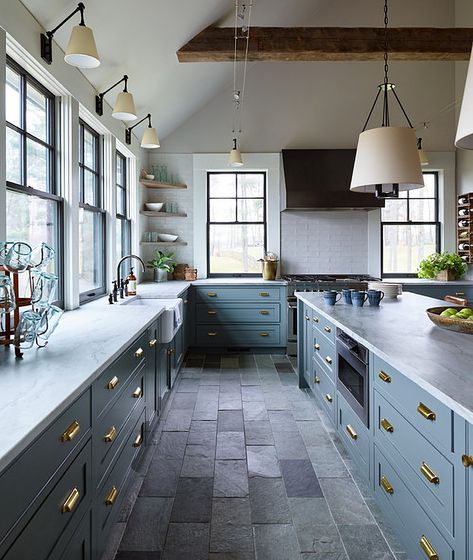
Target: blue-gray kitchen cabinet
441,290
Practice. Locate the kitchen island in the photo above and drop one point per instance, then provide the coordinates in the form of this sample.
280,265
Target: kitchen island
413,447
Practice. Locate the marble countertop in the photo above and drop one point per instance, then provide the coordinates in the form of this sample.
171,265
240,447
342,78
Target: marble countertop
37,388
400,332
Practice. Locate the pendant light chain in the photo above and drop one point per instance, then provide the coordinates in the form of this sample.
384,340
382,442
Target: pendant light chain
386,68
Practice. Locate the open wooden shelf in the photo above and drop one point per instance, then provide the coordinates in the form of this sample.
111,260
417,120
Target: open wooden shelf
160,185
152,214
163,243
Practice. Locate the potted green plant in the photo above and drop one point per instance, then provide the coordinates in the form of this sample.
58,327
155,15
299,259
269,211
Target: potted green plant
162,264
442,266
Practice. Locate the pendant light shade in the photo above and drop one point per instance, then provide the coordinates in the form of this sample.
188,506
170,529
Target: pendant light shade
235,159
124,109
81,50
385,157
150,138
424,160
464,137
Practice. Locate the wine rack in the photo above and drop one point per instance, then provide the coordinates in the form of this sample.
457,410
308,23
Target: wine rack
465,227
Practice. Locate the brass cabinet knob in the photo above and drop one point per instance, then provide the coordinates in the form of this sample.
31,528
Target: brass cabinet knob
317,347
212,333
387,485
384,377
429,474
351,431
467,460
328,397
211,312
152,343
138,441
71,501
328,359
425,411
429,550
111,496
110,436
327,329
264,294
315,319
211,294
386,424
316,379
71,432
307,318
137,393
264,312
139,353
113,383
264,334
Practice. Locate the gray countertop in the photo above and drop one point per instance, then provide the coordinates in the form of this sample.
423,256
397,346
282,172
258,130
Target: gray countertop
428,282
37,388
400,332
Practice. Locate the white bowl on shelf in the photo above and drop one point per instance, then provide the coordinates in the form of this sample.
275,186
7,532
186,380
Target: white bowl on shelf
167,237
154,206
149,177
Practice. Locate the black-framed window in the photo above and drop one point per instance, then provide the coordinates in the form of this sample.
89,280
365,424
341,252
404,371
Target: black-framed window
410,228
91,215
34,206
236,223
123,226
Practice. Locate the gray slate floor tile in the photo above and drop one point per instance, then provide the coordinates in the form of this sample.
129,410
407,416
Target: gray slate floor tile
254,411
203,433
178,420
268,501
258,432
187,540
171,445
252,394
365,541
231,479
198,461
162,477
300,479
230,445
188,386
262,461
147,525
230,421
276,542
345,501
231,526
130,555
289,445
193,501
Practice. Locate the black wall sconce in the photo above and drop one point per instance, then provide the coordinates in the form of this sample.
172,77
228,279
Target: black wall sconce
124,108
150,138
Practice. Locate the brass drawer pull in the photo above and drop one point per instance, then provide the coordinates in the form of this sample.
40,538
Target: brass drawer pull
264,312
307,318
315,319
211,334
317,347
152,343
139,353
71,432
384,377
351,431
327,329
467,460
264,294
71,501
426,412
429,474
316,379
137,393
386,424
113,383
111,496
138,441
328,359
211,294
111,435
387,485
264,334
211,312
328,397
429,550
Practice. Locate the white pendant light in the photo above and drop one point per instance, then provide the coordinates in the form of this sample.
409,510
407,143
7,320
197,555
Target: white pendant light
235,159
464,137
150,138
424,160
387,159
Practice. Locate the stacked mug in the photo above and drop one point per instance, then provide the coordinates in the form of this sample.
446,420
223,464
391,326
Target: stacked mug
357,298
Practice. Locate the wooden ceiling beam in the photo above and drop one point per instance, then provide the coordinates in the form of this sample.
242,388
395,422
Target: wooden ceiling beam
295,44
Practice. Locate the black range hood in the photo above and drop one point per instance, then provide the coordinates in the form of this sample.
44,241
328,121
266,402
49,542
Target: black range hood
320,180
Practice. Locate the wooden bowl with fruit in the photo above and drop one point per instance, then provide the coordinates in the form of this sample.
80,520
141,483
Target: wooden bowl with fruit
459,319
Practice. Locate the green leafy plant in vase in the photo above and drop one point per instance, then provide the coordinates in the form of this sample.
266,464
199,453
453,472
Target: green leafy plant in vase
162,264
442,266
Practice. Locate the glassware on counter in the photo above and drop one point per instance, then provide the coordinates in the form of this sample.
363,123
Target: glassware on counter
4,248
18,257
50,316
7,295
45,287
41,256
27,329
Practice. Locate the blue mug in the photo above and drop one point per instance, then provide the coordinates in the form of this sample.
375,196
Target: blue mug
375,297
346,293
358,298
331,297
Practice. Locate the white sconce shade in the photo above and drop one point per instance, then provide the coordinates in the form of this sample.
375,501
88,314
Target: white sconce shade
387,156
464,137
150,138
81,50
235,158
124,109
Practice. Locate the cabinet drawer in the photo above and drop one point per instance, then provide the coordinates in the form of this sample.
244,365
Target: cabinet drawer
430,473
354,434
238,335
45,455
429,416
324,326
111,492
324,352
238,313
210,294
106,388
324,389
78,546
64,507
110,430
403,509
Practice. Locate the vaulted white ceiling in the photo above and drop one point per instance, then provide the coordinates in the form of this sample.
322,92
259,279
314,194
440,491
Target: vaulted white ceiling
141,37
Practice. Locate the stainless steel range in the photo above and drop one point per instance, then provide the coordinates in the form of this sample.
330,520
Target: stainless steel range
315,283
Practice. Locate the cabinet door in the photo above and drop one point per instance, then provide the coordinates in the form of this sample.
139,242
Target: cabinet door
163,374
150,375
